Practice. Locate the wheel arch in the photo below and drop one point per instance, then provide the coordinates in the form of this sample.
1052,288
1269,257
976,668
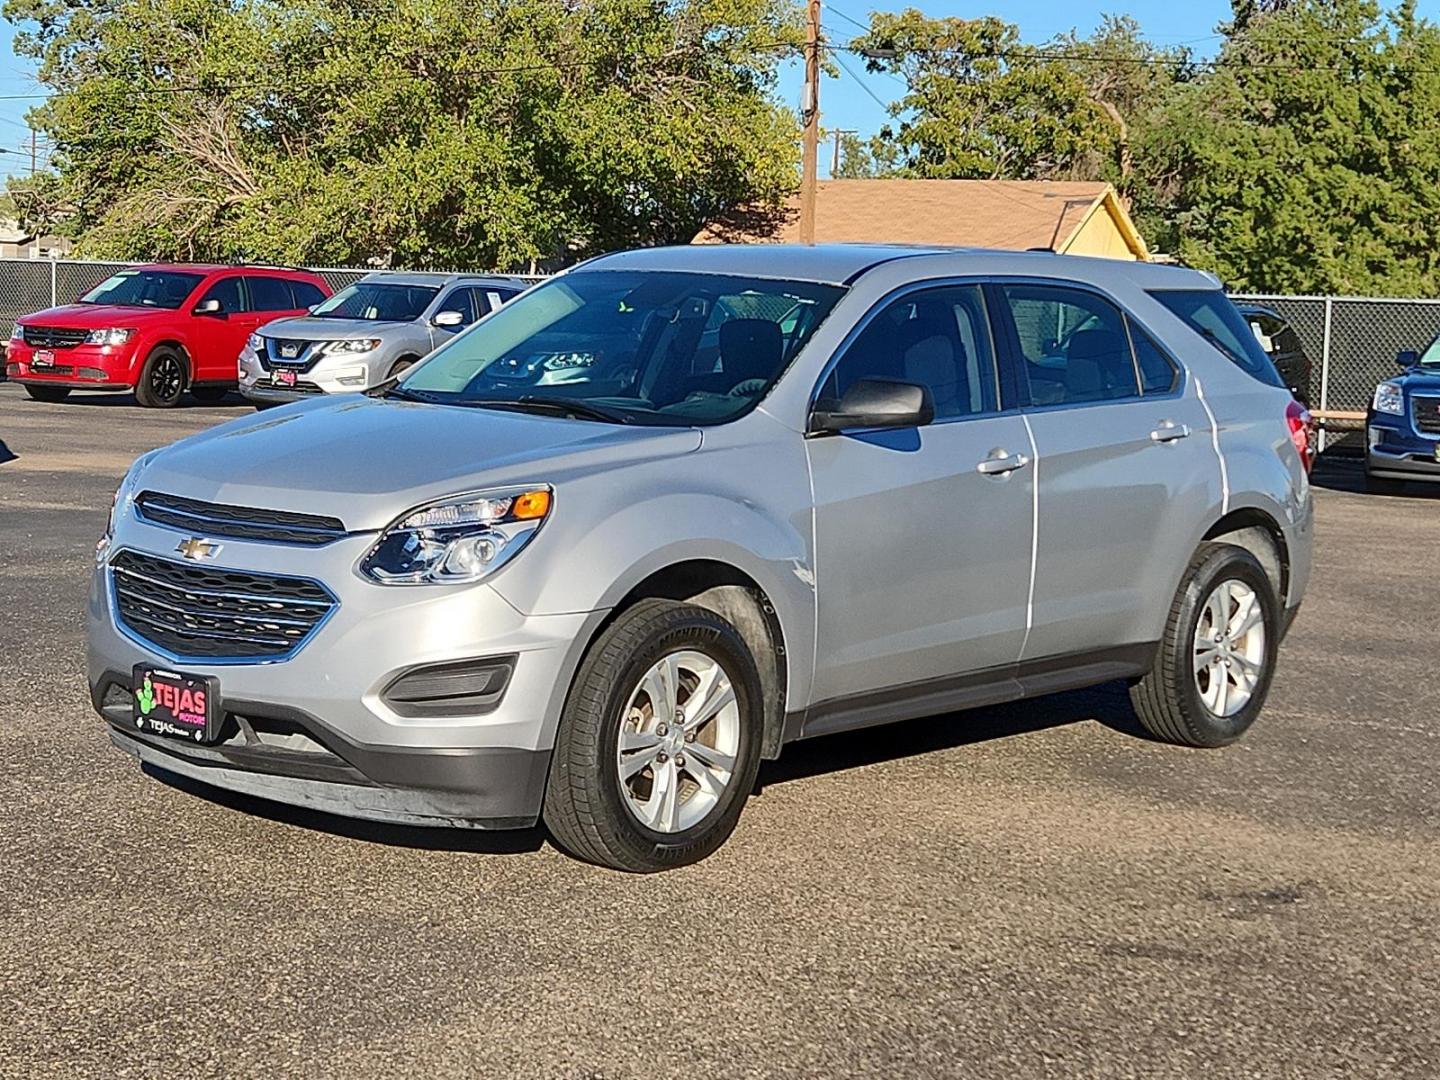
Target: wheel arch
736,596
1259,533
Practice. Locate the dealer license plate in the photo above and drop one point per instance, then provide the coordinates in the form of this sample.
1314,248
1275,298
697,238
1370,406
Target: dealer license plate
177,706
43,358
284,378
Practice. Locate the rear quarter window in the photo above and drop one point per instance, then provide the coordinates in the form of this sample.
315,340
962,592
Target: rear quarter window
1211,314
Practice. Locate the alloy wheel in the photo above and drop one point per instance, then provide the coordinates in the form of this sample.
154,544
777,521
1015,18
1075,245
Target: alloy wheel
1229,647
678,743
166,377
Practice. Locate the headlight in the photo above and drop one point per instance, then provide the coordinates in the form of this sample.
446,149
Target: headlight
108,337
1389,398
256,342
460,539
124,495
17,332
354,345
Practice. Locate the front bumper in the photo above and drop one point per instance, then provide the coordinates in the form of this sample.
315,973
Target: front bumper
89,367
1394,450
317,730
340,374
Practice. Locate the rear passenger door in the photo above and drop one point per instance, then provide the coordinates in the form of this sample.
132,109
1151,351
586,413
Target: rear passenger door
922,559
1125,467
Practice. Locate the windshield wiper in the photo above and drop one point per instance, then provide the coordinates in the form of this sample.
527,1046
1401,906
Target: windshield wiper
409,395
570,406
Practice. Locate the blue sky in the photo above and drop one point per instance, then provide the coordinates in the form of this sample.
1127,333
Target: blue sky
845,102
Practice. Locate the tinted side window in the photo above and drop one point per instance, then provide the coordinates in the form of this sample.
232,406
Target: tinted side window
939,338
305,294
1210,314
269,294
227,291
1157,374
1073,344
461,300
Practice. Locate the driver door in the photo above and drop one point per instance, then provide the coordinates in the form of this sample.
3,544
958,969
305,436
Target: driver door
922,560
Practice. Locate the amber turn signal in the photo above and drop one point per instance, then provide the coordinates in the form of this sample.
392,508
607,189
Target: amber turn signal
531,505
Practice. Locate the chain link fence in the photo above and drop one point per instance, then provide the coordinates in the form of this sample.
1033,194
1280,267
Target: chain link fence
1352,341
28,285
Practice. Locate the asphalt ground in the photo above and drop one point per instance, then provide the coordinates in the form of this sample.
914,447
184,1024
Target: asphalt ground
1026,891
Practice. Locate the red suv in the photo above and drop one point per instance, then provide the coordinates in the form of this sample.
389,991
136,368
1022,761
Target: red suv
157,330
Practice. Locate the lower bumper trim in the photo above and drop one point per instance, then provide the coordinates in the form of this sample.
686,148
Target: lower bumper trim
396,806
481,786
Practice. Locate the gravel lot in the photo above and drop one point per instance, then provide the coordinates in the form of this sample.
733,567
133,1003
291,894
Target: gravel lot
1027,891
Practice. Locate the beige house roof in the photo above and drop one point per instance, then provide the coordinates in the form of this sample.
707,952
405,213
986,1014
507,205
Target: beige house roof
1078,217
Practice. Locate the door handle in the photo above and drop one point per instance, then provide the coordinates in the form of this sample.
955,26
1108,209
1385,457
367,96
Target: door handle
999,463
1169,431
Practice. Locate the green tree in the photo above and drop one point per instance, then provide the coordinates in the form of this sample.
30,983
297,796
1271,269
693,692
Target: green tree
419,132
981,104
1307,160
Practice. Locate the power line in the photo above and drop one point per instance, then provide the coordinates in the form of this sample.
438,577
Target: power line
863,84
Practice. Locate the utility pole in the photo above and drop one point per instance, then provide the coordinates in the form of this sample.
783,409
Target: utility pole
32,152
840,133
810,115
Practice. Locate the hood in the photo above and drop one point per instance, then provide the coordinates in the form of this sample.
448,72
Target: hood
98,316
309,328
1419,378
365,460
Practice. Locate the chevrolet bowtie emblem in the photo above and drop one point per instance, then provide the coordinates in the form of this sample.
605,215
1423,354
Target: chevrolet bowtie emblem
195,548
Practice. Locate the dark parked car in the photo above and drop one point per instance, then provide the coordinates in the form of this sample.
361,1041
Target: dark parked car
1402,428
1282,344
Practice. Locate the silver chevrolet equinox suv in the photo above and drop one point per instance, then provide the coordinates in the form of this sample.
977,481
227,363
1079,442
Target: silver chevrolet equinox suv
366,333
597,557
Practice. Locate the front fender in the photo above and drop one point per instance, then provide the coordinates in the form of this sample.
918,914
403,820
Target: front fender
746,506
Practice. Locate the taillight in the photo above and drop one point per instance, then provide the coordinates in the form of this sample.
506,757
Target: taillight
1297,417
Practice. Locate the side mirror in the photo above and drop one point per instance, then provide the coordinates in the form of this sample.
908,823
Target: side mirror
210,307
876,403
312,308
449,319
1407,358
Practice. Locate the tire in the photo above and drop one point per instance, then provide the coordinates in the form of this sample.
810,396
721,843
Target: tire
163,379
593,813
400,366
209,395
53,395
1170,700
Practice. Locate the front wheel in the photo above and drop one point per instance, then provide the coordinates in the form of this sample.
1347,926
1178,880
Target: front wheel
659,743
162,379
1215,662
52,395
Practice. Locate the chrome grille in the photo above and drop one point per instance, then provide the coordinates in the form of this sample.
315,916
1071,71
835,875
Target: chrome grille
240,522
212,613
306,354
1425,412
54,337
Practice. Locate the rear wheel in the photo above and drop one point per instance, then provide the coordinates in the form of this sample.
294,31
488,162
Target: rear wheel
209,395
52,394
1214,665
162,379
659,742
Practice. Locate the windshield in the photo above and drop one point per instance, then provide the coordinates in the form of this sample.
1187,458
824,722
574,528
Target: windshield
377,302
1211,314
1431,355
144,288
631,347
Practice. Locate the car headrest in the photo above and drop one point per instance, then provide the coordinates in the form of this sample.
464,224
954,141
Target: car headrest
751,349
